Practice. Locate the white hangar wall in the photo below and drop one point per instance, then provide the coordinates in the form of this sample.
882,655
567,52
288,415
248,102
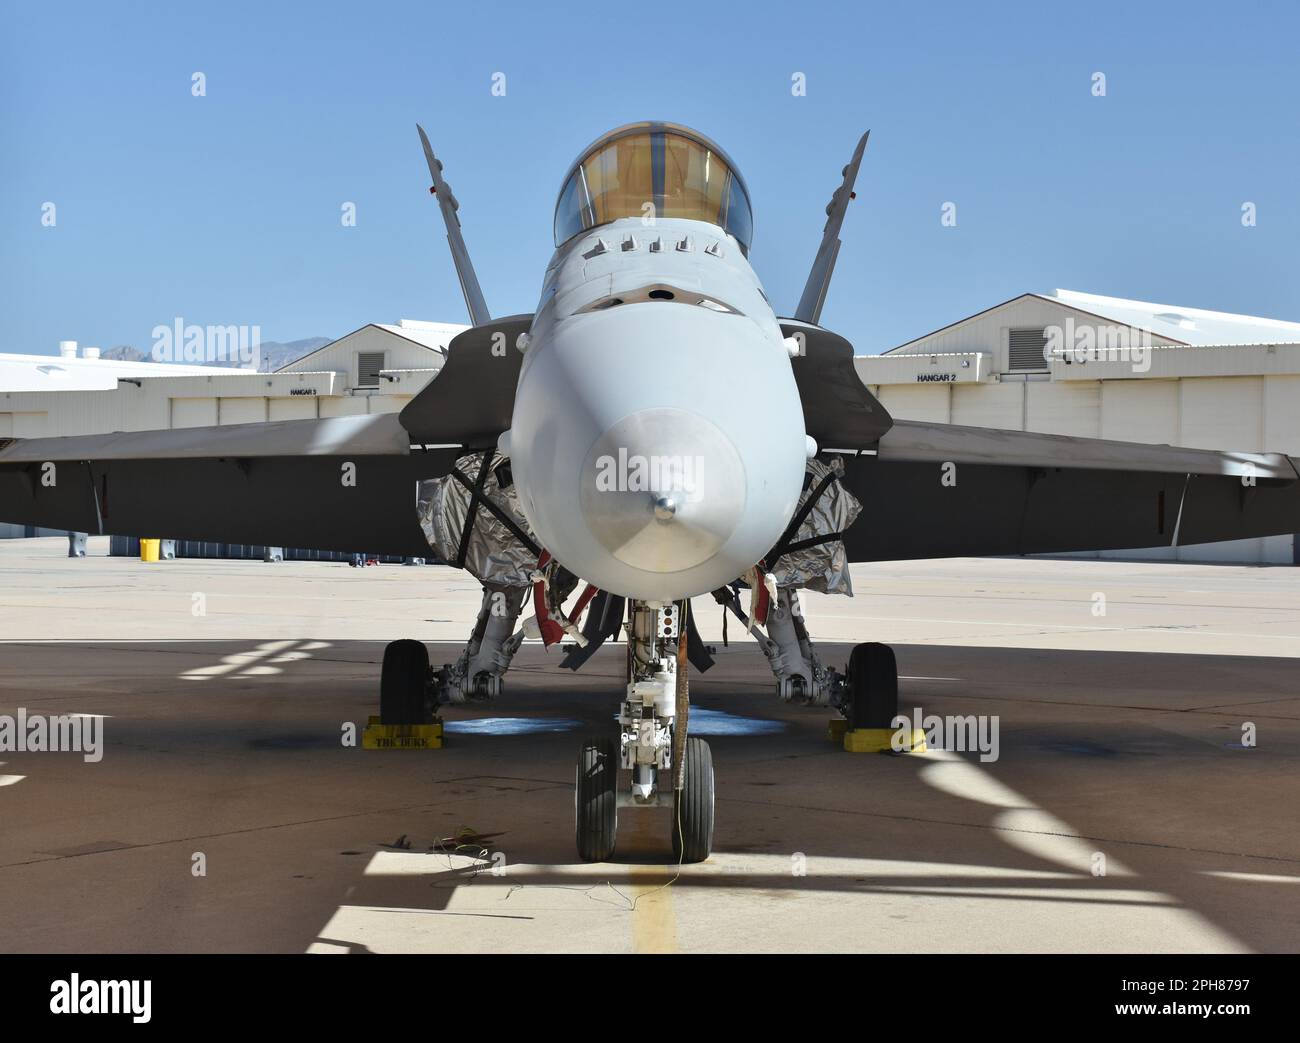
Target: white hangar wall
1230,382
376,369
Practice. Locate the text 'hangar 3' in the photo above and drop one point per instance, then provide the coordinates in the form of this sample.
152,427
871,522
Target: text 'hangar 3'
652,432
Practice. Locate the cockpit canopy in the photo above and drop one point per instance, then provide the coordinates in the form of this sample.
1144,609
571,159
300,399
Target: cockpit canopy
653,170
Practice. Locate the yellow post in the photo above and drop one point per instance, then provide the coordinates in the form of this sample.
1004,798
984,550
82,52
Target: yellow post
150,549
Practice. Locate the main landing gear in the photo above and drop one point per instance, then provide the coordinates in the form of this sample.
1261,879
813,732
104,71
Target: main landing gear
871,687
410,691
667,769
866,693
404,684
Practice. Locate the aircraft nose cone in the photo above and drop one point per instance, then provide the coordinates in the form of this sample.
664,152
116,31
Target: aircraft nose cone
663,489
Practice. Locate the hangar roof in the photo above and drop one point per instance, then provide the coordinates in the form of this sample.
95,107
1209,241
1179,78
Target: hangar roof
434,336
60,373
1194,327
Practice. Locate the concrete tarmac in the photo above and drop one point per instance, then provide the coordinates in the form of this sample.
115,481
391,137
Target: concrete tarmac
1143,797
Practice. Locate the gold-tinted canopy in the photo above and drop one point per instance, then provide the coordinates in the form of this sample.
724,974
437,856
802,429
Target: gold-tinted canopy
653,170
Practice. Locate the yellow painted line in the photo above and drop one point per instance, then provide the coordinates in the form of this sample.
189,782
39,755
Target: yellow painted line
654,921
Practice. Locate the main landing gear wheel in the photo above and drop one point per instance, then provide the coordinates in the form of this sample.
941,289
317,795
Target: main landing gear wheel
596,800
873,686
404,683
693,805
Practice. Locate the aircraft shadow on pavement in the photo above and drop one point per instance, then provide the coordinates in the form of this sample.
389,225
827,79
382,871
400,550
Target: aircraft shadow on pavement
1134,756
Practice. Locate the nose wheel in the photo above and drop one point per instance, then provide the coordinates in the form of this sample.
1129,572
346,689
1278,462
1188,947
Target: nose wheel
596,800
693,805
666,768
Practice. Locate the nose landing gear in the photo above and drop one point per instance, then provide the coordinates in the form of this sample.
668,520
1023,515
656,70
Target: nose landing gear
693,805
667,769
595,800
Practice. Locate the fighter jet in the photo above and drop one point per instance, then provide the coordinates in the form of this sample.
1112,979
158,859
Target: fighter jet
652,431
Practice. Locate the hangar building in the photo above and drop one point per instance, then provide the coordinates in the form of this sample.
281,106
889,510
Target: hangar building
375,369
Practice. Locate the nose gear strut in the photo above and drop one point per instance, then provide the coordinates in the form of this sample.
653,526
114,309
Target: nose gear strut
667,769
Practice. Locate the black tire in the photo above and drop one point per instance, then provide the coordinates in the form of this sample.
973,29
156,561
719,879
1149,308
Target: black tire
693,806
873,686
404,684
595,800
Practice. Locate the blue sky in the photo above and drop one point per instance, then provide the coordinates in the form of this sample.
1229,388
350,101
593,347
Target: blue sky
226,208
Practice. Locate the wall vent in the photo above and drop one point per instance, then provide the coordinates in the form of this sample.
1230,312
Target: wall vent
1025,350
369,363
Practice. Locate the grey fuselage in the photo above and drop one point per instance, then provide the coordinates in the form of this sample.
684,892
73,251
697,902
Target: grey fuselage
657,439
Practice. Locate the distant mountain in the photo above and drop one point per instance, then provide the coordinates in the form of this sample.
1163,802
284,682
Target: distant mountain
275,354
125,353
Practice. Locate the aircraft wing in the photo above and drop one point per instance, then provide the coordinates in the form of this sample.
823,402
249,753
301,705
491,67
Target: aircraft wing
940,490
377,435
342,484
915,441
